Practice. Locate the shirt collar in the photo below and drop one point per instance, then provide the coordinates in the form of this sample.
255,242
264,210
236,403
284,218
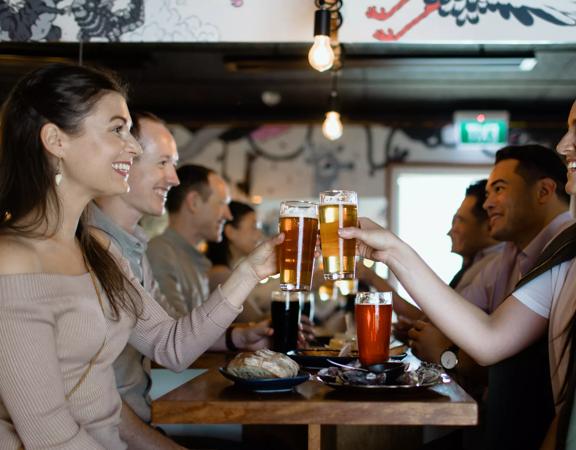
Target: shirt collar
496,248
132,245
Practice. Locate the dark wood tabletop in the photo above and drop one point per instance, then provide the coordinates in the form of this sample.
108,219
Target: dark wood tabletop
212,399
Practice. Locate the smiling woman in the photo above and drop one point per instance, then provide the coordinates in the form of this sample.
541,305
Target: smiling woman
68,301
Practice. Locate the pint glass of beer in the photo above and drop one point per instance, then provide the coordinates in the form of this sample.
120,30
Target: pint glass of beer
285,309
338,209
373,324
299,223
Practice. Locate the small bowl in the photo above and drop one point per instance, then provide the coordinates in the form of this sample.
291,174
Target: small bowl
392,369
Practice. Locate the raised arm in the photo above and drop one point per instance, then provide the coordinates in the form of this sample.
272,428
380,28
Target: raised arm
176,343
487,338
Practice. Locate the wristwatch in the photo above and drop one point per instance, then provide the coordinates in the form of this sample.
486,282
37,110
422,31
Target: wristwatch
449,357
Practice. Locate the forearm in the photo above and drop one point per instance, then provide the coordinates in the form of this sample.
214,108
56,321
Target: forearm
469,327
139,435
401,305
239,284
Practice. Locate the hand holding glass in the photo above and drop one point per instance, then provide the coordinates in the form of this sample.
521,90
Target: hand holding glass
338,209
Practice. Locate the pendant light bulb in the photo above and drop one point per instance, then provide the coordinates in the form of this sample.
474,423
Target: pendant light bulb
321,55
332,127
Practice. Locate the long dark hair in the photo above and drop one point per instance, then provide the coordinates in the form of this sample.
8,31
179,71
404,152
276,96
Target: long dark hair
64,95
219,252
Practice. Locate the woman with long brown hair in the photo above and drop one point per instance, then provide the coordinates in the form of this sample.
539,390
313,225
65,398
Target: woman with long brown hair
68,302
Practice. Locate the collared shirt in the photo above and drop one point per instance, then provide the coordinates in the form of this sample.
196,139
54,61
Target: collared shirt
131,369
492,285
133,246
482,259
181,270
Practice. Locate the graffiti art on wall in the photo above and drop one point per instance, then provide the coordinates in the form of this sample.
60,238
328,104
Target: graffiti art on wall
284,161
470,12
427,21
34,20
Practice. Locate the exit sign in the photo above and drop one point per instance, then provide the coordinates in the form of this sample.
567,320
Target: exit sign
487,130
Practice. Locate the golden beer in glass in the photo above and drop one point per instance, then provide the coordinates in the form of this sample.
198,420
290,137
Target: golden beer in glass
299,223
338,209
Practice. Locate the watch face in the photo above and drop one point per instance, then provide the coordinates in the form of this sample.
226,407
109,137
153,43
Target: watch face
448,359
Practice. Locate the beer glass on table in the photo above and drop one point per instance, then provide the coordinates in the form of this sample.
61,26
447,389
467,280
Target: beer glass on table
308,307
373,324
299,223
338,209
285,309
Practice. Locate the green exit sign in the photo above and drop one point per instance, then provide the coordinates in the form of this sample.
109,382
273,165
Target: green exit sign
481,129
486,132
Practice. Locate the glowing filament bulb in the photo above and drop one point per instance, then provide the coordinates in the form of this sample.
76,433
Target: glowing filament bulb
321,55
332,127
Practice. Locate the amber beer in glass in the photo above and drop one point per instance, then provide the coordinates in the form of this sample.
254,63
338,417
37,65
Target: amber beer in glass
338,209
299,223
373,312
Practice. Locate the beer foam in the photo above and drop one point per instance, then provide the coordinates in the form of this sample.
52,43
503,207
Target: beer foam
307,210
339,203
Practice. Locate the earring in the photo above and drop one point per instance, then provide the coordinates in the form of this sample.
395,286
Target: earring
58,177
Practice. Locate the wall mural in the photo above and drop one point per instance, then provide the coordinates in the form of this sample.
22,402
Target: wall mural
471,12
298,161
430,21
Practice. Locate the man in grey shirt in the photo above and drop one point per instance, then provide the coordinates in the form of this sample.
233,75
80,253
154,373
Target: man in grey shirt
152,175
198,210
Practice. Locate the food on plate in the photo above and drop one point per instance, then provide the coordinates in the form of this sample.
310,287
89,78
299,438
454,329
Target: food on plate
263,364
322,351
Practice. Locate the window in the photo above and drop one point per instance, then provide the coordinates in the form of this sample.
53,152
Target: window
423,200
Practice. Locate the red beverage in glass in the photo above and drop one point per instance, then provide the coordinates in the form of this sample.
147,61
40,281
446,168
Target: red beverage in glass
373,322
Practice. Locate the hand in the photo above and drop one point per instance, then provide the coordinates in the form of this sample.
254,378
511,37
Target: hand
262,260
306,333
253,336
372,240
427,342
401,327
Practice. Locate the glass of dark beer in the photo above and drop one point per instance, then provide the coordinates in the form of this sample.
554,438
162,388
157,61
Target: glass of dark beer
308,306
285,310
299,223
338,209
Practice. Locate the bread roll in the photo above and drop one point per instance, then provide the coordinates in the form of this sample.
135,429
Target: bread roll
263,364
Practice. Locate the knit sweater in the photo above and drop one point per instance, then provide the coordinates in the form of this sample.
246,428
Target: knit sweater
51,326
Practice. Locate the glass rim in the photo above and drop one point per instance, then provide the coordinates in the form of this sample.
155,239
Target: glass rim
338,191
283,296
327,197
374,298
298,203
298,208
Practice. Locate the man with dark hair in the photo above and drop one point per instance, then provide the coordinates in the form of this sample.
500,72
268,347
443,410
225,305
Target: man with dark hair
470,235
197,211
471,239
536,162
152,176
527,208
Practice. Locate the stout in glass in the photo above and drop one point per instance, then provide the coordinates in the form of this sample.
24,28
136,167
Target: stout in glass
338,209
299,223
285,309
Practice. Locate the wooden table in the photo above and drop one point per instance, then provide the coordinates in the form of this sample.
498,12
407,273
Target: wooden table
212,399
